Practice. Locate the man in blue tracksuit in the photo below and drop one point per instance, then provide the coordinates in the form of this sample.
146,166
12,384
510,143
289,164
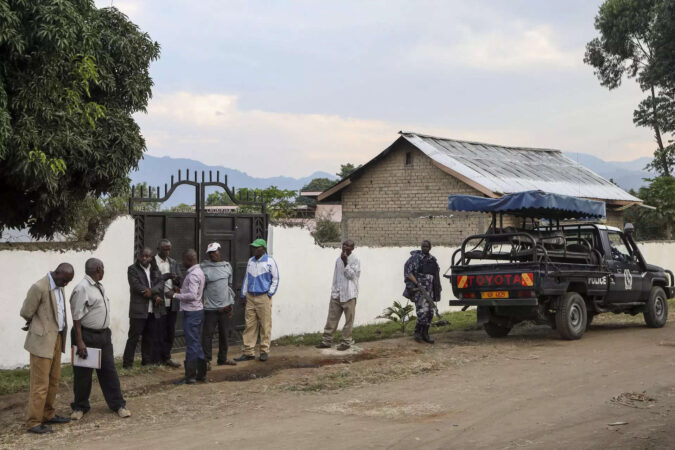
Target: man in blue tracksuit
260,284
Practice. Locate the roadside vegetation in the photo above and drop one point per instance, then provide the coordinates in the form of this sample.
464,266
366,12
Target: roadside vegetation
17,380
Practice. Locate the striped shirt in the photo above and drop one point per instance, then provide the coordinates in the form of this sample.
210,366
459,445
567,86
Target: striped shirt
262,276
346,279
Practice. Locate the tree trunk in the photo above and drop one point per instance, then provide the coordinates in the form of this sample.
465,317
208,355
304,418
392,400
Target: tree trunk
657,135
669,230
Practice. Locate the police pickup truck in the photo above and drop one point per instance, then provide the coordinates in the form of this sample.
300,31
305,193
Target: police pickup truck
548,273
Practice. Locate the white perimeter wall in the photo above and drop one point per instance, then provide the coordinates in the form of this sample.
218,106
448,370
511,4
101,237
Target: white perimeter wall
306,272
21,269
300,305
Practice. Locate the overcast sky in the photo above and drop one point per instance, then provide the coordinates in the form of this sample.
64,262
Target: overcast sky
291,87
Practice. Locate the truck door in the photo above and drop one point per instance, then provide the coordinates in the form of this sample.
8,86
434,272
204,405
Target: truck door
623,266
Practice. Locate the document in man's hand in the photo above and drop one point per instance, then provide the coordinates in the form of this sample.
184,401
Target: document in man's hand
93,359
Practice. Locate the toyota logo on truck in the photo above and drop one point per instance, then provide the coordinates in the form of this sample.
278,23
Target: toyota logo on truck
503,280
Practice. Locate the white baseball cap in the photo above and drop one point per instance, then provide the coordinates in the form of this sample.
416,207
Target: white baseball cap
213,246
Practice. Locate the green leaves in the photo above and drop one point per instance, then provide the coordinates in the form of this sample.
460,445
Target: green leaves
655,224
637,40
346,170
71,76
398,313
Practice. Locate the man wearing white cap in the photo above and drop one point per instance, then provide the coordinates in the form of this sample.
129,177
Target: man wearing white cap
218,303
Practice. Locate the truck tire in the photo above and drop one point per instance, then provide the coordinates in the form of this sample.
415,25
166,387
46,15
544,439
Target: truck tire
495,330
656,310
571,317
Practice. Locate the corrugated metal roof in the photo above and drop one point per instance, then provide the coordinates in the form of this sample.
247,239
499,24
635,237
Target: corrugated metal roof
505,170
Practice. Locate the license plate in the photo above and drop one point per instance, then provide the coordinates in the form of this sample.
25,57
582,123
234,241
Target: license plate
494,294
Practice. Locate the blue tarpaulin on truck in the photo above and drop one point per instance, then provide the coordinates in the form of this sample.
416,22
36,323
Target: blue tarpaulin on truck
537,204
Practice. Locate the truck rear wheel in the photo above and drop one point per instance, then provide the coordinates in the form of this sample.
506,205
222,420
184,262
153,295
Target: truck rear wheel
571,317
495,330
656,310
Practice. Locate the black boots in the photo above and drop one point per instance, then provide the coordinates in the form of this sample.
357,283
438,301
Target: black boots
418,334
190,372
201,370
425,335
422,334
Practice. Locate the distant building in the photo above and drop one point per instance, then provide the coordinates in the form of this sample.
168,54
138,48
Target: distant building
400,196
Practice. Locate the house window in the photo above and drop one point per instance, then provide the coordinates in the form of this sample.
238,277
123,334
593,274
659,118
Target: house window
408,158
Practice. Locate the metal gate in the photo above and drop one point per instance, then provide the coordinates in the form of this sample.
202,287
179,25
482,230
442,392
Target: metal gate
234,231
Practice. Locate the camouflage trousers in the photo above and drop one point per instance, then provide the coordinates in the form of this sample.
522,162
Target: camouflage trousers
424,313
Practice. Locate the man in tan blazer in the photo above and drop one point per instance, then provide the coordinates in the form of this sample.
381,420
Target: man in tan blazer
44,310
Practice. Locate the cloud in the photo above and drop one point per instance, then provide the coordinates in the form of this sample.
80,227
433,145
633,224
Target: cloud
214,129
129,7
514,49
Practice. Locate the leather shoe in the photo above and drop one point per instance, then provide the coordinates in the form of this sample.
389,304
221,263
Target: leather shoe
171,363
263,357
58,420
245,358
40,429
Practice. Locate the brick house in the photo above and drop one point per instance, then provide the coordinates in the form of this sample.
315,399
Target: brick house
400,197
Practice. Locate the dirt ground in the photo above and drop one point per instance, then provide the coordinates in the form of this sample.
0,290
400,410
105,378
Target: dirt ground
615,388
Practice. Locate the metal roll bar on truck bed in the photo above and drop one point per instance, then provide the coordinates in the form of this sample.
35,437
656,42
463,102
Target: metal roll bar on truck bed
538,244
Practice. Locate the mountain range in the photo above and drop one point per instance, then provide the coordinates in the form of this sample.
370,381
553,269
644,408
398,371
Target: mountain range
156,171
626,174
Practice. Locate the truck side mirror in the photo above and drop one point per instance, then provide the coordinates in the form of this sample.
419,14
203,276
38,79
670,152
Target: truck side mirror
628,229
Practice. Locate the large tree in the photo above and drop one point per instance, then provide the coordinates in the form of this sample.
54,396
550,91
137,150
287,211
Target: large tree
71,76
637,40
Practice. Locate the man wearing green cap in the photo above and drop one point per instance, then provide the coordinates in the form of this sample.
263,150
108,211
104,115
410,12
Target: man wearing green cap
260,284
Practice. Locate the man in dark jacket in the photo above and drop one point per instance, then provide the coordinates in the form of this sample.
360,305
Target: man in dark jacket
146,307
172,273
423,268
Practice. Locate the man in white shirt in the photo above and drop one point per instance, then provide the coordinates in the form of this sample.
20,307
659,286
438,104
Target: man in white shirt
344,291
171,272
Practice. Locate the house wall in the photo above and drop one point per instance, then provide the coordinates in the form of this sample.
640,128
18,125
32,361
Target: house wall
615,218
394,204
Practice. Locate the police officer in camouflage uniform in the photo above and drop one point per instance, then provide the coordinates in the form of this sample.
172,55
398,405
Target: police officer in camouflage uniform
424,268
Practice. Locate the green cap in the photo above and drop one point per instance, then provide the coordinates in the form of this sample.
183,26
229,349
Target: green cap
259,243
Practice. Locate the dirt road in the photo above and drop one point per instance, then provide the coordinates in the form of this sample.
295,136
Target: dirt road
529,390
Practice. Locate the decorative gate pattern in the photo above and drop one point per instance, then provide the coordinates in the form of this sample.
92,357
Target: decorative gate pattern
196,229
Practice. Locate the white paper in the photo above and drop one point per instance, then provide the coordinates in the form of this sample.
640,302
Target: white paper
93,359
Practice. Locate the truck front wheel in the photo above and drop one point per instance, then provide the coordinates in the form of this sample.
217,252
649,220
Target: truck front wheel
495,330
656,310
571,317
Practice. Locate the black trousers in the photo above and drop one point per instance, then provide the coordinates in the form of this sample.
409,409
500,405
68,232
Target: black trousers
167,328
211,319
146,330
107,374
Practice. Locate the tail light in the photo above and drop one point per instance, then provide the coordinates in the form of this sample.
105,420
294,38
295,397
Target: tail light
525,294
467,295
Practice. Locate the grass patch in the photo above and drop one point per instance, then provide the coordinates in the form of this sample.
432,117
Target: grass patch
18,380
459,320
